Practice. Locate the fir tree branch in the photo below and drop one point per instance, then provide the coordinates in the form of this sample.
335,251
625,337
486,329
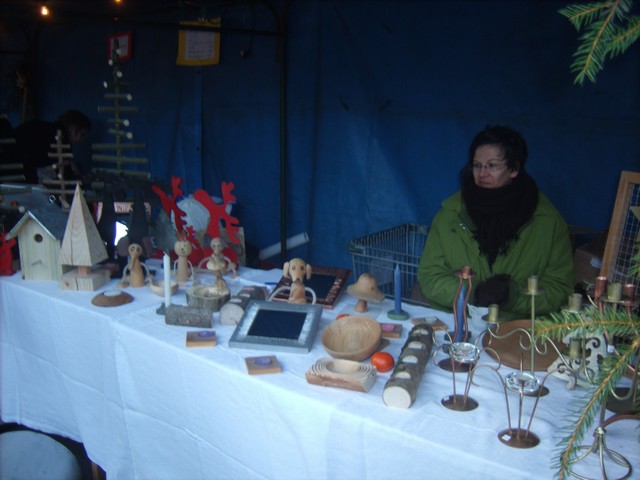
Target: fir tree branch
580,15
608,31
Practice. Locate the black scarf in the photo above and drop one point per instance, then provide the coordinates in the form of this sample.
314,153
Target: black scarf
499,213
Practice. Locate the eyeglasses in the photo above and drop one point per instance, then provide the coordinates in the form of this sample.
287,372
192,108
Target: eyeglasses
490,167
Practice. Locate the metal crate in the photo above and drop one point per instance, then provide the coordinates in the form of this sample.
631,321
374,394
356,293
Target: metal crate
379,253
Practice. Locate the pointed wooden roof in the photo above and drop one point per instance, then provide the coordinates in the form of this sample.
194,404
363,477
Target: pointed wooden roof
82,245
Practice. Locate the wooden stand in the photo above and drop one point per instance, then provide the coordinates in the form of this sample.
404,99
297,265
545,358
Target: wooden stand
80,279
208,297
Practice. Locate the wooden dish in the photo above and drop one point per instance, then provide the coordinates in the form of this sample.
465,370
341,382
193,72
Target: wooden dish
111,298
158,287
510,351
355,337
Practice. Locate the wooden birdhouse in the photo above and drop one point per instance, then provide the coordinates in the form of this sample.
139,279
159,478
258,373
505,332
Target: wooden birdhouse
82,247
40,233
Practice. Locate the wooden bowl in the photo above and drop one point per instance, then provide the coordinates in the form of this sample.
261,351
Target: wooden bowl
355,337
158,287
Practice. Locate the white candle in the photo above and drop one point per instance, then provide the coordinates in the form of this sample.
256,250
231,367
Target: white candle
166,266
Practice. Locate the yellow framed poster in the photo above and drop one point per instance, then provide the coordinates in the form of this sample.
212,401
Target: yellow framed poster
199,47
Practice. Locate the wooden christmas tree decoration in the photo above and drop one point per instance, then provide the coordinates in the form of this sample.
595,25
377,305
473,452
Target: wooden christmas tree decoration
82,247
61,152
117,94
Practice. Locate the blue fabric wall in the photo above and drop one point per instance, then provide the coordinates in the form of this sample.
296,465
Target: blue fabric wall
383,98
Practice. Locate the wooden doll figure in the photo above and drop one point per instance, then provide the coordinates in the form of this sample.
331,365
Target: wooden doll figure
218,263
182,265
135,269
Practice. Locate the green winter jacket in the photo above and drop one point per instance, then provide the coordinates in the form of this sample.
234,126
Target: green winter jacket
543,248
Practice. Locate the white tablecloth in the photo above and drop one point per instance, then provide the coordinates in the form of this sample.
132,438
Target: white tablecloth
123,382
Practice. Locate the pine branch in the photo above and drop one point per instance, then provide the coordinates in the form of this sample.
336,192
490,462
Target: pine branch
603,35
625,37
580,15
614,322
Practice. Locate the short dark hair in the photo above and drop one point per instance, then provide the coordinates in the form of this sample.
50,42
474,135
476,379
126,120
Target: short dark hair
75,118
510,141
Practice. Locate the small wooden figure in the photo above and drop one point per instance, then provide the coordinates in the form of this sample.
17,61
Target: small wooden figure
365,290
297,270
182,266
218,263
136,269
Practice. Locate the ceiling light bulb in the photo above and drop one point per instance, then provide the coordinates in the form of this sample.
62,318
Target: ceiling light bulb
44,10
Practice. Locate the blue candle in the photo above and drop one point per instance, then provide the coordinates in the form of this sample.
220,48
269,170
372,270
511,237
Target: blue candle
398,289
461,334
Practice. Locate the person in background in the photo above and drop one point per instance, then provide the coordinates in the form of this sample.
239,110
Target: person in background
34,139
504,228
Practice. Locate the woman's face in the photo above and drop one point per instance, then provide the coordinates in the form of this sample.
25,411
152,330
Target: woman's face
490,167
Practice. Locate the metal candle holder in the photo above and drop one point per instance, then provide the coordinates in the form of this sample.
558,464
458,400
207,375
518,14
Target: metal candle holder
533,290
615,294
461,333
599,445
521,382
461,353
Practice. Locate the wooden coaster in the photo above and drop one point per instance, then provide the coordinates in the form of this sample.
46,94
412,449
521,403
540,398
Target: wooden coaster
433,322
391,330
201,338
265,364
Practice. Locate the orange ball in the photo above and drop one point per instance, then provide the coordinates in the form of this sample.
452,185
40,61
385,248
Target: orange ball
383,361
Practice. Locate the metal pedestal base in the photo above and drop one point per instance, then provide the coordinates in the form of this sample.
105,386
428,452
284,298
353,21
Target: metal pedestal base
445,364
542,391
518,438
599,447
458,403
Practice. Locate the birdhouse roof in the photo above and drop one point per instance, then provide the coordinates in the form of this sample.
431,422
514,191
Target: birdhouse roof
50,217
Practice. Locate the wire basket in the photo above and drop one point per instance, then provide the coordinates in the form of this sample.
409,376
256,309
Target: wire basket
379,253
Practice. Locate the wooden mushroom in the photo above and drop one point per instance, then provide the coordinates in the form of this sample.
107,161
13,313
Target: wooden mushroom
365,290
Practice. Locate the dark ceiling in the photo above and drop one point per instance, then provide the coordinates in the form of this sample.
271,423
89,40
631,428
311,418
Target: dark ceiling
14,13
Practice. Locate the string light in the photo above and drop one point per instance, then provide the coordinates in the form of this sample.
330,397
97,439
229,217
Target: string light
44,10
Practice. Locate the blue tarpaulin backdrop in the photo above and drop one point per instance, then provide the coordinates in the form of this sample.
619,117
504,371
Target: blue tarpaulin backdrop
381,101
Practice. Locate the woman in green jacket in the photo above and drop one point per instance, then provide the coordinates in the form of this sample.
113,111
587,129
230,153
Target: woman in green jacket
504,228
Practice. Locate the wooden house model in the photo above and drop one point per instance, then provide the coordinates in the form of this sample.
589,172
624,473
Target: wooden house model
40,232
